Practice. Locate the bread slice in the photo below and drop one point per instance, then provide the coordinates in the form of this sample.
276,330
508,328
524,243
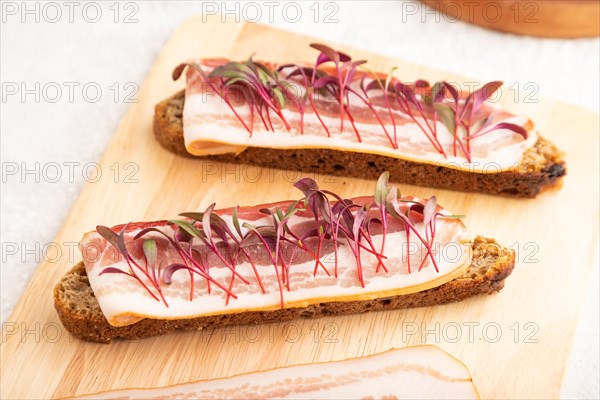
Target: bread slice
542,166
80,312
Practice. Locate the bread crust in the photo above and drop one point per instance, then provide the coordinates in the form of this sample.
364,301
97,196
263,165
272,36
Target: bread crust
542,166
80,312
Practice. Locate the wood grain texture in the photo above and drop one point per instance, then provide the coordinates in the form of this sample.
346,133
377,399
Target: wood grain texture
556,236
542,18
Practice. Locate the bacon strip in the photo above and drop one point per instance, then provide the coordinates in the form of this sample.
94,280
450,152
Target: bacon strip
324,270
423,372
212,127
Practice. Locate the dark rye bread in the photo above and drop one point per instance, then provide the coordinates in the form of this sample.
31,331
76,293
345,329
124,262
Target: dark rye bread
541,167
80,313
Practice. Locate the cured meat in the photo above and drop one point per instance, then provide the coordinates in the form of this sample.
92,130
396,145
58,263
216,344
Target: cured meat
422,372
217,121
280,255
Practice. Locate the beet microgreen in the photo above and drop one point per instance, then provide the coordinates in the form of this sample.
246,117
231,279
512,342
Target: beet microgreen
377,84
462,115
215,87
205,238
337,85
193,265
335,78
118,242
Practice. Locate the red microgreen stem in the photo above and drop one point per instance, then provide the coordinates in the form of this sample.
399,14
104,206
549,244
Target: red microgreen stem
333,219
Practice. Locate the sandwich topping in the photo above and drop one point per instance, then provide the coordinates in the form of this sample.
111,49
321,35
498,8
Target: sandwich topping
339,104
281,255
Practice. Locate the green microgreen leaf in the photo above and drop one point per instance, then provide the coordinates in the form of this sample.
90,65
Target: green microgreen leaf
446,115
188,227
279,97
381,188
292,209
236,221
279,213
150,251
454,216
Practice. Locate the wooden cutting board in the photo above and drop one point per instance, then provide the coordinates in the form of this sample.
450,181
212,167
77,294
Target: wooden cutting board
516,343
